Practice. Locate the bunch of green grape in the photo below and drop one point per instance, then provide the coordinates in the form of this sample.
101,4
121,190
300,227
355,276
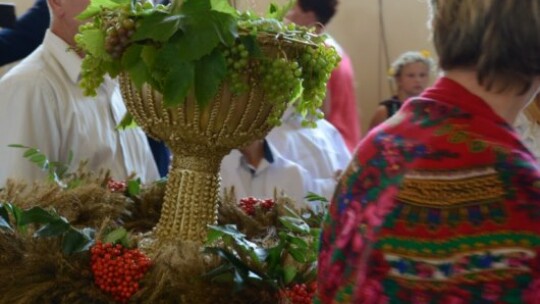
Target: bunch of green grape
317,65
280,79
117,27
238,61
92,68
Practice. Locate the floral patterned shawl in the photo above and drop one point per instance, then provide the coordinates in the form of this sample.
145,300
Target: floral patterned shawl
440,204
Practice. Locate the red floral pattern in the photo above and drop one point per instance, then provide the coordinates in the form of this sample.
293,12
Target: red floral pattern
437,134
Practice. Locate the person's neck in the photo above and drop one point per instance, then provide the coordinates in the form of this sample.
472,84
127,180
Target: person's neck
506,104
254,153
402,96
64,34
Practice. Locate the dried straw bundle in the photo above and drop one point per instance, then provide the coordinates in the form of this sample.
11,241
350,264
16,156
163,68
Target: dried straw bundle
36,271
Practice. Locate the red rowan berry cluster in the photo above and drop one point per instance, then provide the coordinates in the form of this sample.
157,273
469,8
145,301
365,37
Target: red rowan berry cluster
299,294
250,204
116,186
118,270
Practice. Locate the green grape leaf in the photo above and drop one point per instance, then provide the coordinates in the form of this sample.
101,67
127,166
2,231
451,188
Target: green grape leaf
131,61
225,26
127,122
112,67
197,42
149,54
279,12
93,42
223,7
171,49
96,6
251,44
159,26
178,82
209,74
196,7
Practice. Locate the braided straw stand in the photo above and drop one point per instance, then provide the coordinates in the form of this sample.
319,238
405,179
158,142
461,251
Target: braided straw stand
199,138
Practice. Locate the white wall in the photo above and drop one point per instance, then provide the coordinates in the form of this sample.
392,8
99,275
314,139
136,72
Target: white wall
357,28
21,5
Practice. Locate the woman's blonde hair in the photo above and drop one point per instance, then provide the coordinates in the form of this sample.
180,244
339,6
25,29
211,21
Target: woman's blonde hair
410,57
498,38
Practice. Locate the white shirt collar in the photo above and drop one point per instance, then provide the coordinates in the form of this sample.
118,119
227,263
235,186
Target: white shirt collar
269,158
66,57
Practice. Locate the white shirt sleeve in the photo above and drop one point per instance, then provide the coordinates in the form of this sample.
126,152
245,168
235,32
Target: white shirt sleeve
28,111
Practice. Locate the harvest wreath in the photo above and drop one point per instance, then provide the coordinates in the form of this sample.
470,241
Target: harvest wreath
76,241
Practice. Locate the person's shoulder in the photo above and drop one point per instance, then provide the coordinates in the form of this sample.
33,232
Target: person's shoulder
390,101
325,126
32,70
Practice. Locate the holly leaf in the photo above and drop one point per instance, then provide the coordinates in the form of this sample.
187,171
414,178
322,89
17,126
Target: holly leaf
134,187
289,272
159,26
4,218
16,212
5,224
313,197
178,82
4,215
37,215
76,240
54,228
116,235
298,242
209,74
298,255
295,224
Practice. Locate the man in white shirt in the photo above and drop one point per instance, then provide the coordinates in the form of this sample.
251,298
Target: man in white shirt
259,170
43,107
321,151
